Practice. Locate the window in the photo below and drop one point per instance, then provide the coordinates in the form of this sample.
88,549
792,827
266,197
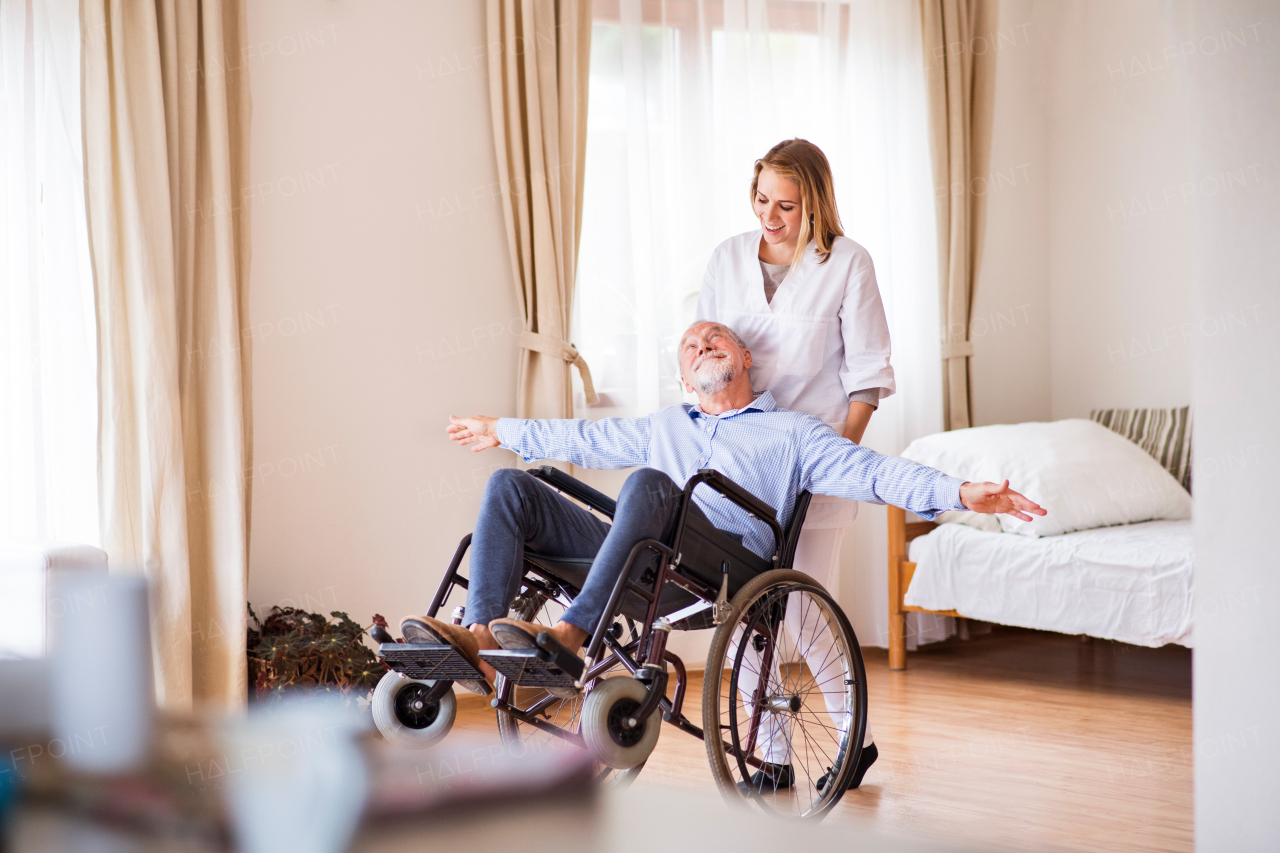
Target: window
48,362
684,97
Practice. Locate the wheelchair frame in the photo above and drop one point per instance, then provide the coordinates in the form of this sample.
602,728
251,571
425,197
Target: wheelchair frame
646,656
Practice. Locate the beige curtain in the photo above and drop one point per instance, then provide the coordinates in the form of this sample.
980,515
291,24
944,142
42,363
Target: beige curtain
539,59
960,53
166,119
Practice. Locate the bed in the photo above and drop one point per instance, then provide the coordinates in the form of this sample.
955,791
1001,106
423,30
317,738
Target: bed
1130,582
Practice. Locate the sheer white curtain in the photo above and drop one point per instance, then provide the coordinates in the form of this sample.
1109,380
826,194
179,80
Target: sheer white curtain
48,361
684,97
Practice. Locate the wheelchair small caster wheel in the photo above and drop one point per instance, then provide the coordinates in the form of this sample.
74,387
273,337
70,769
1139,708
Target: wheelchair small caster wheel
605,716
405,714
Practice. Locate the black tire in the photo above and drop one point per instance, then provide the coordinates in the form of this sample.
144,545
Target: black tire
825,739
519,738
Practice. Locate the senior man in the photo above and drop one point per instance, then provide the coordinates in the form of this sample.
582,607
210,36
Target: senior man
772,452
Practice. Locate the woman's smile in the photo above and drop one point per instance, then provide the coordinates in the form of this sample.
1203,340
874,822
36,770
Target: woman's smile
777,206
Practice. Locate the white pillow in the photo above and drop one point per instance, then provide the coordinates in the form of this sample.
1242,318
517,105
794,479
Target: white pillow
1084,474
977,520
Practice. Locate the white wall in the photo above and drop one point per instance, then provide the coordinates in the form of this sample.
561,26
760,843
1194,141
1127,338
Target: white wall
1234,96
380,295
1119,227
1083,297
1010,328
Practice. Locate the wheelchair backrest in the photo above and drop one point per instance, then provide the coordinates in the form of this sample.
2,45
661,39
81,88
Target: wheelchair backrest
706,549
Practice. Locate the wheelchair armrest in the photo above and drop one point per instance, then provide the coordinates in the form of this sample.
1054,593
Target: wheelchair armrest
719,482
735,493
576,489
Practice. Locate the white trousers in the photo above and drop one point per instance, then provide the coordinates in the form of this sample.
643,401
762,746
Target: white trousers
818,556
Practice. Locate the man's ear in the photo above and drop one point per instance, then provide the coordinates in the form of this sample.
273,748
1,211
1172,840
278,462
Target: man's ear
746,358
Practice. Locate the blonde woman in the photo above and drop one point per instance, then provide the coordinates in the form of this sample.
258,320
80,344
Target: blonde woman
804,298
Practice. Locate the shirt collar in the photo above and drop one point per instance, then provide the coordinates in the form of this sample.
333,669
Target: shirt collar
763,403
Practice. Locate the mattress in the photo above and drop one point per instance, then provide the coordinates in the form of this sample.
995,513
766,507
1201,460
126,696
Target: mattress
1131,583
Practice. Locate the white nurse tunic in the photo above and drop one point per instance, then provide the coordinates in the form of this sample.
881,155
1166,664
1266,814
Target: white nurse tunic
823,337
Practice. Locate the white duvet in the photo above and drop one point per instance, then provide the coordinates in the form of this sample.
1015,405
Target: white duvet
1130,583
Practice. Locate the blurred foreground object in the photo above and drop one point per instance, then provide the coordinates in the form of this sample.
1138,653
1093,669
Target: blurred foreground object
302,777
103,696
301,774
27,569
468,793
24,699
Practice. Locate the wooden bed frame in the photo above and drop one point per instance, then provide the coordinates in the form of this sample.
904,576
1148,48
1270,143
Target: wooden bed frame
901,571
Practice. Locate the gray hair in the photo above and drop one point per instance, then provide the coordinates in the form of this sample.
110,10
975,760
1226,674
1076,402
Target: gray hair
737,339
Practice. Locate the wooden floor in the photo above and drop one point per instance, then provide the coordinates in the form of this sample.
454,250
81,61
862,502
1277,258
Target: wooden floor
1018,738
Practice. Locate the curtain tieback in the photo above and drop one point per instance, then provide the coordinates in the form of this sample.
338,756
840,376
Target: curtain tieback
554,346
958,349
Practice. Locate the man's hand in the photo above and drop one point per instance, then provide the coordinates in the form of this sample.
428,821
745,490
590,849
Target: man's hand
479,430
988,497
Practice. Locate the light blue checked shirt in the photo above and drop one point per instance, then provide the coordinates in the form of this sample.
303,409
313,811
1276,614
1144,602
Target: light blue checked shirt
773,453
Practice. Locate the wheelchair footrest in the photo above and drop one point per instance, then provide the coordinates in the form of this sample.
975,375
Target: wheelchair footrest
427,661
535,667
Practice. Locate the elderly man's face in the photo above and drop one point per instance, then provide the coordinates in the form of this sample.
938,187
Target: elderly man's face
710,359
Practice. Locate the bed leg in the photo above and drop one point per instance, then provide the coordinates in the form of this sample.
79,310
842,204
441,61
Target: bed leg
897,641
897,618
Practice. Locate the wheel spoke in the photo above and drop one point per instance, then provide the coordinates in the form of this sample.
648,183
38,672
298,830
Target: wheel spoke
823,670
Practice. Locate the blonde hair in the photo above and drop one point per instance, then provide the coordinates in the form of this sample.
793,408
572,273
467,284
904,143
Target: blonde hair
801,161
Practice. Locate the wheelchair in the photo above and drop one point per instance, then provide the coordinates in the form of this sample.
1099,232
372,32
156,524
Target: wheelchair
784,682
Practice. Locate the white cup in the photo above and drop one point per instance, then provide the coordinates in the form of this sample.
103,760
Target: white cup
101,689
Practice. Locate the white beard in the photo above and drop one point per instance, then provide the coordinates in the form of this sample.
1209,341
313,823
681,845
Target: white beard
714,374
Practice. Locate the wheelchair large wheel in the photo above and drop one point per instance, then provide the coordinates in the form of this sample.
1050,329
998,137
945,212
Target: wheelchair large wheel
404,718
806,708
519,738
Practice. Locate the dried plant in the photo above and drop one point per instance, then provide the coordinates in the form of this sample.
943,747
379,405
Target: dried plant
293,649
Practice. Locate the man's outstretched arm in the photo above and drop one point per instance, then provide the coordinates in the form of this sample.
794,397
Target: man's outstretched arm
831,465
607,443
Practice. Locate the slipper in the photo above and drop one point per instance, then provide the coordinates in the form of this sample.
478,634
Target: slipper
869,756
770,778
425,630
517,636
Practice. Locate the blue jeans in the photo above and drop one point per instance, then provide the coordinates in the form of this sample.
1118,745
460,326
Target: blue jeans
519,512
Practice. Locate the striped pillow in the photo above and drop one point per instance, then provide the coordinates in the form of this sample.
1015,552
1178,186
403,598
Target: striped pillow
1164,433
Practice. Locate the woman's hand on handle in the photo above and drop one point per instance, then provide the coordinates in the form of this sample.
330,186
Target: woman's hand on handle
992,498
478,430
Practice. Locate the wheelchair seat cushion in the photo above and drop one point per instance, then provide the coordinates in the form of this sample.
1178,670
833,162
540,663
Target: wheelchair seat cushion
571,571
